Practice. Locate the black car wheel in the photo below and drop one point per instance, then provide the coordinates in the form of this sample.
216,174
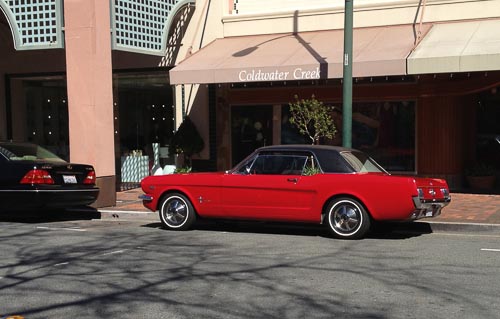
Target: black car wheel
177,212
347,218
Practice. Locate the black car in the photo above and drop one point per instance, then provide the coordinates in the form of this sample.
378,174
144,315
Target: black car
32,177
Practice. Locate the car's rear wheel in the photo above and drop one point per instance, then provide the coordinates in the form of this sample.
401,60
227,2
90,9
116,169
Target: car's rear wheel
176,212
347,218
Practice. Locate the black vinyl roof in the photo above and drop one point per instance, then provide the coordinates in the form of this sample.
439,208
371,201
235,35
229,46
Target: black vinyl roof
303,147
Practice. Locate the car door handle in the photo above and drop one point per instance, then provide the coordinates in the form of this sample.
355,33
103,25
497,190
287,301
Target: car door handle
292,180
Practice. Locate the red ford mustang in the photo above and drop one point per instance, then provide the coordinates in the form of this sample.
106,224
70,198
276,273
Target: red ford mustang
341,188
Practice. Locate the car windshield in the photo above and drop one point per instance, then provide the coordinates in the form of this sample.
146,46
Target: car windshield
27,152
362,163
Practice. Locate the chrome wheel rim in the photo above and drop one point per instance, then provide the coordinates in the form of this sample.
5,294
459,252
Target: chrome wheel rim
345,218
175,212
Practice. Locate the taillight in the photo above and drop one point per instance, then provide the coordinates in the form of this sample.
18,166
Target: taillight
90,179
37,176
420,193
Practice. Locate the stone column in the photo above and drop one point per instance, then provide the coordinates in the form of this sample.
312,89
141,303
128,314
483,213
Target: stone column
90,91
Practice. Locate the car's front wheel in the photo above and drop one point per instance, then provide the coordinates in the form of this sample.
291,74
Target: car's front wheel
347,218
176,212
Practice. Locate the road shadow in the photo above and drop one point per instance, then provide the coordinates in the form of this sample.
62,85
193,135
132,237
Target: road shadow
399,230
50,215
390,231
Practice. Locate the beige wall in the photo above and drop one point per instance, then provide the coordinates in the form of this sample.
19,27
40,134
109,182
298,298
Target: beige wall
90,92
205,27
89,77
260,17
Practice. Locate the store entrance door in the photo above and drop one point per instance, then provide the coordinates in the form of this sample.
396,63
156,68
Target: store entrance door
251,128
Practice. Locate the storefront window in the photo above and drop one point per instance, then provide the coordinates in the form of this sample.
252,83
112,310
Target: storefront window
144,124
40,113
384,130
488,129
290,133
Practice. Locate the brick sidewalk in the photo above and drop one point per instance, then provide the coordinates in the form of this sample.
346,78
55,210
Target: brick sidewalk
472,208
464,208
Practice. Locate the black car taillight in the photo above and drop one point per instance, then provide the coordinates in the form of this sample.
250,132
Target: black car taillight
37,176
90,179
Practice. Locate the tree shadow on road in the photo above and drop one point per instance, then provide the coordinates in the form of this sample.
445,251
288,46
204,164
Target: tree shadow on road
50,215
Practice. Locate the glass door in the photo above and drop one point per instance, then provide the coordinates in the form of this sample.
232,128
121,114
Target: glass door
251,128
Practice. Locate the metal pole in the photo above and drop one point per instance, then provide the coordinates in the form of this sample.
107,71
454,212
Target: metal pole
347,80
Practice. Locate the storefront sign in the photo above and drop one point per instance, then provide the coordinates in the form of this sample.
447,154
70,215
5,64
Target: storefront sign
257,75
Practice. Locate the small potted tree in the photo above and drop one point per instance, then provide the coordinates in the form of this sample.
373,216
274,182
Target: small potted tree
312,118
481,176
188,142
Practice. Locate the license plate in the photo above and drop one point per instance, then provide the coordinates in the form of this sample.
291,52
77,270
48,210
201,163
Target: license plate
69,179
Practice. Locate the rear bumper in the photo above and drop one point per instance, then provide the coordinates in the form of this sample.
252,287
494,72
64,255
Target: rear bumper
47,198
425,209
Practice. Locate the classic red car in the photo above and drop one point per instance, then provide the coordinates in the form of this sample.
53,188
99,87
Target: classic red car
341,188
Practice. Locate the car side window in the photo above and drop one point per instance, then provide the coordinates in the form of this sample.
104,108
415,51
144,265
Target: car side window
333,162
246,166
277,164
361,163
311,166
5,152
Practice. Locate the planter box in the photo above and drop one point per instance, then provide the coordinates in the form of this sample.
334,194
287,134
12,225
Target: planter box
481,182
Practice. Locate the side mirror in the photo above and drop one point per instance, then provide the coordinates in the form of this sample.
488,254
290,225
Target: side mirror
247,170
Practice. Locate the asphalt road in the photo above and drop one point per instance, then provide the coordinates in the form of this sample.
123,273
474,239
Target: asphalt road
110,269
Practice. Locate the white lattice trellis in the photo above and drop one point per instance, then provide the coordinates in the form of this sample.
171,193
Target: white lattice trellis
142,25
35,24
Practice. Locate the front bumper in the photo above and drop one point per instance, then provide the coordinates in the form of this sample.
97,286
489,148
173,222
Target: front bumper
148,201
425,209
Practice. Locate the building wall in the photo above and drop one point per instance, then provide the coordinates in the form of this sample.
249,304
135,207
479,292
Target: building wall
445,107
3,111
205,27
281,16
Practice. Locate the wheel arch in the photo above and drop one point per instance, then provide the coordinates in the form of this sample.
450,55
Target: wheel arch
176,191
343,195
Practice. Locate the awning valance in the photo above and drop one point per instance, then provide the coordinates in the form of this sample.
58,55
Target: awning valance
378,51
458,47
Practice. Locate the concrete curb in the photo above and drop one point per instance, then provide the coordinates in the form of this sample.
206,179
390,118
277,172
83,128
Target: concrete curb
463,227
128,215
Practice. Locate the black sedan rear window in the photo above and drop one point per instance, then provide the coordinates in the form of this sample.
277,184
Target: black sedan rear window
27,152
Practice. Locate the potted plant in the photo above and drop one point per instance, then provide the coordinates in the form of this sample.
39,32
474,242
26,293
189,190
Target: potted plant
188,142
481,176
